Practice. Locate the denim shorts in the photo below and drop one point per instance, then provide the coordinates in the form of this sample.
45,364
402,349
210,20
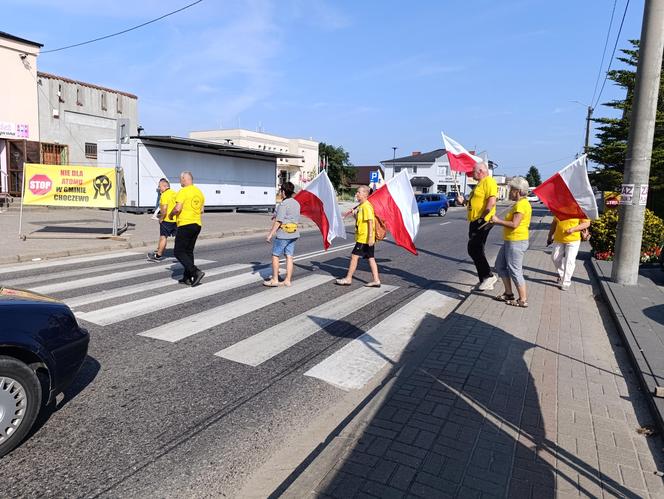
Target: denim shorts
283,247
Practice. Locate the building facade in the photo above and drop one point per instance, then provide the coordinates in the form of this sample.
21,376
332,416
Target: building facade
299,170
19,115
430,172
74,116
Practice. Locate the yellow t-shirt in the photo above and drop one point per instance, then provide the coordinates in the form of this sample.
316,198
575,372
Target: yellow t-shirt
365,212
484,189
519,233
168,198
192,200
562,225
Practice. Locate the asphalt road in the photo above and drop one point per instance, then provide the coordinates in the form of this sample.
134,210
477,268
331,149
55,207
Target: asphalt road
149,417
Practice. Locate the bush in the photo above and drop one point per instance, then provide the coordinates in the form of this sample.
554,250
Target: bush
604,229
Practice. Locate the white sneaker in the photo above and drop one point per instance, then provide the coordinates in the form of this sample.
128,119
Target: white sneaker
487,284
565,287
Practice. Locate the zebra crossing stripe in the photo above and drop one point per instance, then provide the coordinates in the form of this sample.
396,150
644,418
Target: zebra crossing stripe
136,308
107,294
106,278
193,324
263,346
61,262
69,274
357,362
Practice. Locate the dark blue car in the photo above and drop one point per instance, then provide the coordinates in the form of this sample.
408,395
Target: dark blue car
432,204
42,348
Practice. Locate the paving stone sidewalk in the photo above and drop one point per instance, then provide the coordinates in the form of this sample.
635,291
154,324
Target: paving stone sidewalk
538,402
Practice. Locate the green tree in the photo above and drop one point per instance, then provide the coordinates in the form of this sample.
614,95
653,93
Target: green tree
339,168
533,176
611,149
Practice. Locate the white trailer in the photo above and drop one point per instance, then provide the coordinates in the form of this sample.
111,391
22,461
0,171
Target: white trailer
230,177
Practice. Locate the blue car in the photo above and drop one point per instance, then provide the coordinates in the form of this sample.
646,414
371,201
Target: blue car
432,204
42,348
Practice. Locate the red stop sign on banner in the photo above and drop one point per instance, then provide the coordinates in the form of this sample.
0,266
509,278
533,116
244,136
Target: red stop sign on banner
40,185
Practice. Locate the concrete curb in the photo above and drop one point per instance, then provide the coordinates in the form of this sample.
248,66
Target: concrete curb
627,334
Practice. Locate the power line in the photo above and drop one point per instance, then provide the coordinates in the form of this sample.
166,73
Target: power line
606,43
123,31
606,76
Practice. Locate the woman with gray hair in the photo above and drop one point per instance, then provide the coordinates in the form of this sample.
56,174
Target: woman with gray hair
509,263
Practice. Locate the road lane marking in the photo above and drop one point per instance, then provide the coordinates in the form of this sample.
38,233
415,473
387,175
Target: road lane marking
66,261
106,278
321,252
107,294
357,362
193,324
136,308
445,223
260,347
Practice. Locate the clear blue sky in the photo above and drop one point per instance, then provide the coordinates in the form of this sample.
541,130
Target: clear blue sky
366,75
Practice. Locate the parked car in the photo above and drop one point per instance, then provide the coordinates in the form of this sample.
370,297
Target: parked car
532,197
42,348
432,204
451,198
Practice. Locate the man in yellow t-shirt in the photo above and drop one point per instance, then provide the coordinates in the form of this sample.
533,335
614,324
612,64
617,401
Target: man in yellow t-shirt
566,238
189,203
365,239
481,207
167,225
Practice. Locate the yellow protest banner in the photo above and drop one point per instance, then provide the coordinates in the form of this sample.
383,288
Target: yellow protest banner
69,185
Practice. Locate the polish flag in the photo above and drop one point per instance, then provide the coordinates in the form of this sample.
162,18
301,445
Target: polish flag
395,204
568,193
319,203
460,159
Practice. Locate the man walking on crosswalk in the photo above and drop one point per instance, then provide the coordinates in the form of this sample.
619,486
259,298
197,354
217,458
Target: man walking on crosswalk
167,225
189,205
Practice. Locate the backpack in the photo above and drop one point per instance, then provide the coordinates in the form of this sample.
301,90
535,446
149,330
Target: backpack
381,228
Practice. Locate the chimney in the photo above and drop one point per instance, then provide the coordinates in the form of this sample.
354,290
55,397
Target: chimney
416,153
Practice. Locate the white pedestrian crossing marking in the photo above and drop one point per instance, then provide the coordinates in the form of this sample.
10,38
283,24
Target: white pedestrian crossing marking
263,346
193,324
123,311
356,363
61,262
108,294
71,273
106,278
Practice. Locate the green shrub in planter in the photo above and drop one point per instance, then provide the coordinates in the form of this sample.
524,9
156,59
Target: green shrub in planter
604,229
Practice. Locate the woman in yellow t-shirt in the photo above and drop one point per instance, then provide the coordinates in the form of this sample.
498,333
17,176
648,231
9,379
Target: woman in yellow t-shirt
566,238
509,262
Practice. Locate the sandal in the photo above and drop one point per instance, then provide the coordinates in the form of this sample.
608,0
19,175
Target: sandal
505,297
342,282
517,303
271,284
373,284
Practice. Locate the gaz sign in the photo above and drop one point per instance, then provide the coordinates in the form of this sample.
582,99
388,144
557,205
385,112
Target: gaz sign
40,185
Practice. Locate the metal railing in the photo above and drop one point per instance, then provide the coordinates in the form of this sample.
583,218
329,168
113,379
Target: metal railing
5,198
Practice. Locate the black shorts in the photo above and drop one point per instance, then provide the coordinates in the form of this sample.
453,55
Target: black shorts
363,250
167,229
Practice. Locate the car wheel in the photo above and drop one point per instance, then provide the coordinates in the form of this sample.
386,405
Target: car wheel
442,212
20,401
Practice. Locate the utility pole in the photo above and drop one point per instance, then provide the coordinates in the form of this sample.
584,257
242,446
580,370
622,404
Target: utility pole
588,118
639,146
394,157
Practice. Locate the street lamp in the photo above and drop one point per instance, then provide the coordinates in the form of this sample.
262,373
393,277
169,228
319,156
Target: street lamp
394,157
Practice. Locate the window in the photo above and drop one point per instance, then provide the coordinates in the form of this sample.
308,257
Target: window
397,169
61,96
442,171
118,103
79,97
442,188
414,169
90,150
104,104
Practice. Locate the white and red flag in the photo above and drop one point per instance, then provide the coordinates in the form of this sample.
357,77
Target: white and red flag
460,159
395,204
568,193
319,203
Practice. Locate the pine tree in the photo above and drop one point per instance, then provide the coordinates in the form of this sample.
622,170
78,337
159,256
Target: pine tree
533,177
611,149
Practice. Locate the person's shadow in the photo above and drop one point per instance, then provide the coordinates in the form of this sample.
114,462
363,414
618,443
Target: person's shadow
463,422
